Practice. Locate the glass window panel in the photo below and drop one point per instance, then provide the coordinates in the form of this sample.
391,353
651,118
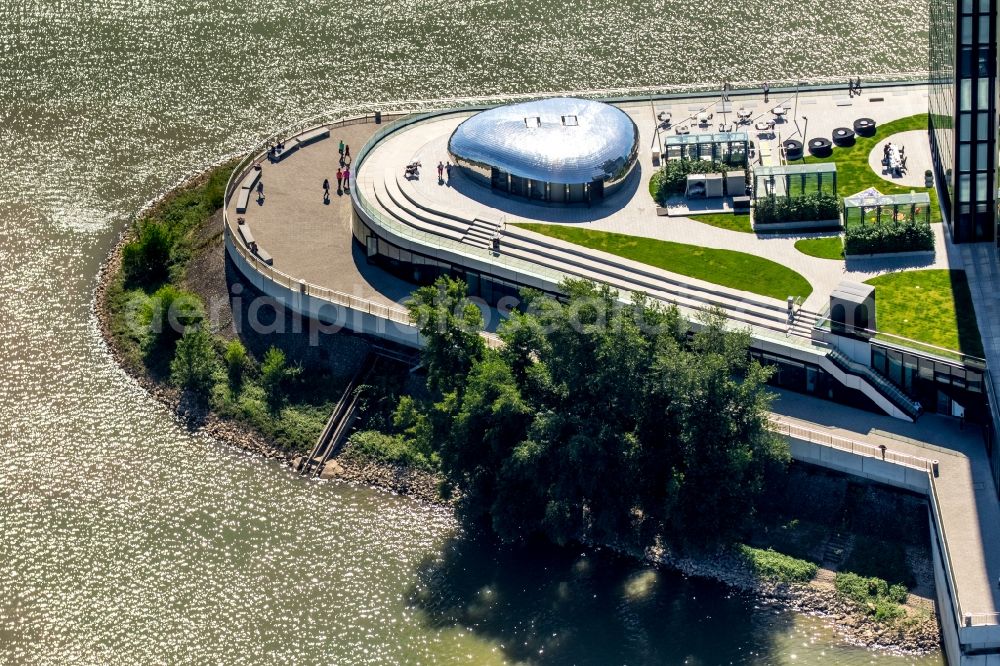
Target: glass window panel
967,30
984,6
964,127
984,94
964,187
983,127
965,157
981,189
981,156
984,29
966,6
965,95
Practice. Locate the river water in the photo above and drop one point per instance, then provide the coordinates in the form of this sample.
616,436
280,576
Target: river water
124,538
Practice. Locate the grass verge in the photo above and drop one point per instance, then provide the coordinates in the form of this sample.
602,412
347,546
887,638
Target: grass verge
730,221
831,247
737,270
932,306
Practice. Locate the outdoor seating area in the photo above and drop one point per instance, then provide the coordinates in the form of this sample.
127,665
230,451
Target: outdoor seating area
894,159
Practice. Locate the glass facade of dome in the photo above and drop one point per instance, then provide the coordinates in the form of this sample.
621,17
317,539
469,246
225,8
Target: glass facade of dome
561,149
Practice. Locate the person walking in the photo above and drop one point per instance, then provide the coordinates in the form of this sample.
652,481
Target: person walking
447,169
767,91
347,151
440,172
341,147
260,190
340,178
347,178
326,185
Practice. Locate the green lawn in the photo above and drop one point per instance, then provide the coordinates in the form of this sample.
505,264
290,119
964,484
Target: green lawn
728,268
831,247
729,221
932,306
854,174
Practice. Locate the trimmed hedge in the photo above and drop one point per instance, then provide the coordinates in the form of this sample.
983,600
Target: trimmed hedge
905,236
671,179
806,208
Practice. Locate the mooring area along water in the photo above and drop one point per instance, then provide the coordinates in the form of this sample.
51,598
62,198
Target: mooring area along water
126,539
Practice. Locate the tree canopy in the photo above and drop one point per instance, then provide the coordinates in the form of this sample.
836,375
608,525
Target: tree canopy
595,419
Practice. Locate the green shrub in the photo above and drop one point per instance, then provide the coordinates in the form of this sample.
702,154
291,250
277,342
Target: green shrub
878,598
671,179
900,236
146,260
777,566
236,360
195,362
170,312
812,207
274,375
395,449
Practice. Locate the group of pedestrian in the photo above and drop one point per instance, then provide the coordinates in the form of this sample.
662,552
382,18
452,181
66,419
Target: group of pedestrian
854,87
343,174
343,182
442,168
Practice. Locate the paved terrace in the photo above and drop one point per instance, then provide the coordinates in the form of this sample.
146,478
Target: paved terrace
632,211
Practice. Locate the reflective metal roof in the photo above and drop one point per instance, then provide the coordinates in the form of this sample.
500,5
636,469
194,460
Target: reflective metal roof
557,140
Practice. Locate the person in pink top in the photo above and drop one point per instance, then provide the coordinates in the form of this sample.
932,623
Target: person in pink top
347,178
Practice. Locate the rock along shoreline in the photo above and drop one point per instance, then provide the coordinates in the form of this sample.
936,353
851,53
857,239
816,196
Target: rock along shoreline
815,598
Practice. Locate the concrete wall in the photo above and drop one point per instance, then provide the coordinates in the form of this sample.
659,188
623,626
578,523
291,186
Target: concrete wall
332,315
898,476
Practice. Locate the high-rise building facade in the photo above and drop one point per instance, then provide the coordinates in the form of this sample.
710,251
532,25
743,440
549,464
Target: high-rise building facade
963,114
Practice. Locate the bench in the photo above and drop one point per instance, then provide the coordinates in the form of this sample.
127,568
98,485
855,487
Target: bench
313,136
264,256
290,147
244,200
247,236
251,179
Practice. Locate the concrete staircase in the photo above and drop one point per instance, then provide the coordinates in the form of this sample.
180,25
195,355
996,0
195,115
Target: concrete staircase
398,198
911,408
481,233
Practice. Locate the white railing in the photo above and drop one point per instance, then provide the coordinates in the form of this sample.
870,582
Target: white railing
851,446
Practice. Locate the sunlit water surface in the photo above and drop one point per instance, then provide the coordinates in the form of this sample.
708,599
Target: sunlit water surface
125,539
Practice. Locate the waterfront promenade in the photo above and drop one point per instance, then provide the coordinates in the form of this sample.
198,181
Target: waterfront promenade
311,240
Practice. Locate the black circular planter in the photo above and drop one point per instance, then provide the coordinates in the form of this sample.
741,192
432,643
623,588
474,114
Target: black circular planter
864,126
843,136
820,147
793,148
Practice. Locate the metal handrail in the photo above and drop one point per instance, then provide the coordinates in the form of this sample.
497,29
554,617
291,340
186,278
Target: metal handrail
851,446
904,343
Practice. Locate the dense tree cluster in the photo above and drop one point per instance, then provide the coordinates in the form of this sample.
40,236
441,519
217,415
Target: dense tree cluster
594,418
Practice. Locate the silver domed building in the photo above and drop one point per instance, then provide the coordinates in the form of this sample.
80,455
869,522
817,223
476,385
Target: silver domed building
561,149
